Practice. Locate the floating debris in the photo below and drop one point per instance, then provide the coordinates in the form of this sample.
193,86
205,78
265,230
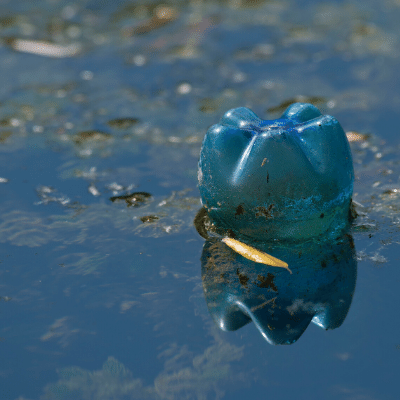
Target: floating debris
314,100
3,180
163,15
5,135
123,123
43,48
253,254
209,105
6,122
391,192
149,218
95,136
136,199
353,136
202,223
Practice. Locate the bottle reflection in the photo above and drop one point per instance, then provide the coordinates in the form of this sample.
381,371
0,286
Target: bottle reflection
281,305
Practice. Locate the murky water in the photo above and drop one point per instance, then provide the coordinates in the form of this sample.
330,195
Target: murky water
103,107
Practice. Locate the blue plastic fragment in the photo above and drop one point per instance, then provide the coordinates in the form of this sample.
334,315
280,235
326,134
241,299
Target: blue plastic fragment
289,178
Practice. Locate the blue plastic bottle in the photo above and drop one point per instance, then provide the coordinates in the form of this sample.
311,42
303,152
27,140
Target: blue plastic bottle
284,179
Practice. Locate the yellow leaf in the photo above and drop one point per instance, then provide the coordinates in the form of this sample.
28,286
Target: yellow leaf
253,254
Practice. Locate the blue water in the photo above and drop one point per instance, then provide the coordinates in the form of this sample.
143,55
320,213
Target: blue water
83,279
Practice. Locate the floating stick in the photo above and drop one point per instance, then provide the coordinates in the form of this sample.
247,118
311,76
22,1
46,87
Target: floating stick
253,254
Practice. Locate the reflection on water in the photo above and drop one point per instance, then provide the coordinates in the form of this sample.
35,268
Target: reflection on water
281,305
184,376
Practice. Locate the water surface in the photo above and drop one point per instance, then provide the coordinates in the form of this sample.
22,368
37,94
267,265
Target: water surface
104,299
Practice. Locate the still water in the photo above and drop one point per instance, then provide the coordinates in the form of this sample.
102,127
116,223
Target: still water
104,287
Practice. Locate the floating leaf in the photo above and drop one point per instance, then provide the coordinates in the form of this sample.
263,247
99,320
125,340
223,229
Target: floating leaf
253,254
